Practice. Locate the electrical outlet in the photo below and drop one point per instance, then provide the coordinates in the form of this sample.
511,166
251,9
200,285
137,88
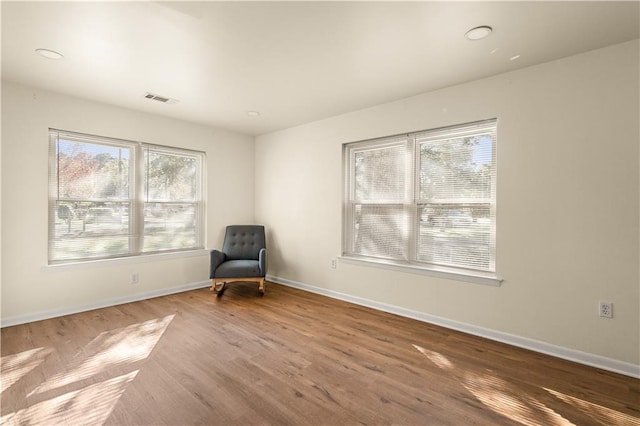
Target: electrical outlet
606,309
334,263
135,278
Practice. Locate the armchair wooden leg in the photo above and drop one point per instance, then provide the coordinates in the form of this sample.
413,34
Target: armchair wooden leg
218,286
223,287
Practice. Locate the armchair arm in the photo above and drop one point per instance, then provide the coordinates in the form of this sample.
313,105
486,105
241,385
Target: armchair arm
262,261
217,257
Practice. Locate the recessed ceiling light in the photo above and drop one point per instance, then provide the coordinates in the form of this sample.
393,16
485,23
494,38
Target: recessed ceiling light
253,113
478,33
49,54
514,57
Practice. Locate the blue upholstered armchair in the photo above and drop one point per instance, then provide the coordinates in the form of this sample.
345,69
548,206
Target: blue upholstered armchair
243,258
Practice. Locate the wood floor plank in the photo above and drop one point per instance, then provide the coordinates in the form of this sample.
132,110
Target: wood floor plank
288,358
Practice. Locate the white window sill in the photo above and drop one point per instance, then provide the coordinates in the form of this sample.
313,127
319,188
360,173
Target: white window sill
125,260
475,277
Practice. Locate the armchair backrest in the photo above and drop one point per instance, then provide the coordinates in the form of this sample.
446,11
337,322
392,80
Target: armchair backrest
243,242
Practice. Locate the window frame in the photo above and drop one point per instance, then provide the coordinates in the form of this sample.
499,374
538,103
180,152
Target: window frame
135,231
412,206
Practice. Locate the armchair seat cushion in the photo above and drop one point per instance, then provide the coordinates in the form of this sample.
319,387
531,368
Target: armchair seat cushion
238,269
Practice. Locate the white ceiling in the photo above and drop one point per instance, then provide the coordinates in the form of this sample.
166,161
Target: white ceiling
294,62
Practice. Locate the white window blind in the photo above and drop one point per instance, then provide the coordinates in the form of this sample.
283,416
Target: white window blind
378,197
114,198
426,198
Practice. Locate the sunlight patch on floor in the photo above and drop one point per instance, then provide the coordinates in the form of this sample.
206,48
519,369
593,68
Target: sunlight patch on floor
90,405
497,395
15,366
435,357
595,411
85,390
110,349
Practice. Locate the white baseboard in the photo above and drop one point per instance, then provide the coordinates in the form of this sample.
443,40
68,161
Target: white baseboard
42,315
580,357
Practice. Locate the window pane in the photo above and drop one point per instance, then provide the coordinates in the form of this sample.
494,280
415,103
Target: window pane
454,235
85,229
170,177
379,174
457,168
169,226
92,171
456,188
380,231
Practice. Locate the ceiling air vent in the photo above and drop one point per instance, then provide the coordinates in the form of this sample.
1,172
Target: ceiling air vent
159,98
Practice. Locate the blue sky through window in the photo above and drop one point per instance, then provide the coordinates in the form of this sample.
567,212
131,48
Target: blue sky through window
482,152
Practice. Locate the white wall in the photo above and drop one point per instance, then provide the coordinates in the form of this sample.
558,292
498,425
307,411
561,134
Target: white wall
29,288
568,213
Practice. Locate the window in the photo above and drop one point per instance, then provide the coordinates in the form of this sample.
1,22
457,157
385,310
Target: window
114,198
426,199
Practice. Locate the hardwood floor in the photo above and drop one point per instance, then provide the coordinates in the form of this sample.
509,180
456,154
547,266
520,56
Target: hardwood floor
288,358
